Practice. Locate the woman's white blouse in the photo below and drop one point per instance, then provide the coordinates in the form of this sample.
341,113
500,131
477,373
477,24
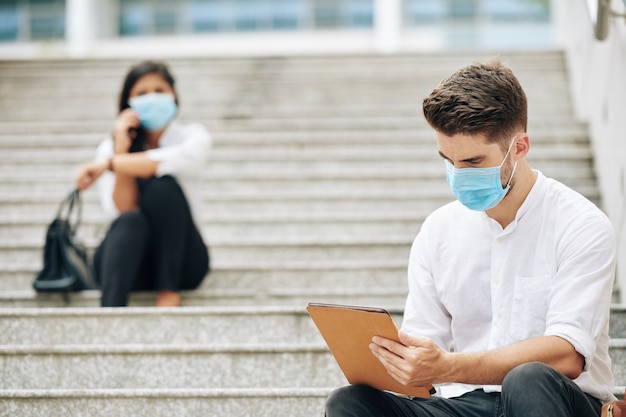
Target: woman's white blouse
182,153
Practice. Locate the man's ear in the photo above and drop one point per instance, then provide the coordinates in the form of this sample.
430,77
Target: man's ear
521,147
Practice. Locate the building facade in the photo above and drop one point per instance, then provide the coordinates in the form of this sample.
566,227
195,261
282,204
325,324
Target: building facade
388,24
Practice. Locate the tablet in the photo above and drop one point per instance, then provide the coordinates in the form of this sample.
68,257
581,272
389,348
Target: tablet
348,331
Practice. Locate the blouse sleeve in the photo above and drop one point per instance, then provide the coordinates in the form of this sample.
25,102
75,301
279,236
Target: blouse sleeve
187,157
106,182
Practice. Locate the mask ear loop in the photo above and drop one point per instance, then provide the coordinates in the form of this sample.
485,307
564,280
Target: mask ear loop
514,165
512,173
508,151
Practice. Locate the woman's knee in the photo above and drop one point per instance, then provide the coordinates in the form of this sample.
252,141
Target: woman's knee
162,199
159,188
132,224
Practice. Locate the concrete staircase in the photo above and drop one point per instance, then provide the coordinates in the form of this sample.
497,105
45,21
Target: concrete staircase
322,172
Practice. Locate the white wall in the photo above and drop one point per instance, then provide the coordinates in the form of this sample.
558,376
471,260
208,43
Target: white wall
598,82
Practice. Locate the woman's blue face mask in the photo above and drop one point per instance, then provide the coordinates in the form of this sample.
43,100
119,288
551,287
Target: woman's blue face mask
155,110
478,188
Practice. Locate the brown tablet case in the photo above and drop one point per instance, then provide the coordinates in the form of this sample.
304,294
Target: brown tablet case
348,331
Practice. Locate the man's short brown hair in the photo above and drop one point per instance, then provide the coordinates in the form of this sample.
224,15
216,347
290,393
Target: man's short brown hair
480,99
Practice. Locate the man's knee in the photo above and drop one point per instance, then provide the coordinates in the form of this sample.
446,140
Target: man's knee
528,375
351,400
534,383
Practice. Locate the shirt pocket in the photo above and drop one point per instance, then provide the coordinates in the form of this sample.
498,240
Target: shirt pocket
530,306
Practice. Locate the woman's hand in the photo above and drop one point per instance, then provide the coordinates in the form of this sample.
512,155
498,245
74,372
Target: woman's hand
123,136
89,174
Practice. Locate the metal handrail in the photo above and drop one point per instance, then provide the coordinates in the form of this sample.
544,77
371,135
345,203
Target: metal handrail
600,13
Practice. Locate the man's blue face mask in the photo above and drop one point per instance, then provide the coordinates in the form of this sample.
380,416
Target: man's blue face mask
478,188
155,110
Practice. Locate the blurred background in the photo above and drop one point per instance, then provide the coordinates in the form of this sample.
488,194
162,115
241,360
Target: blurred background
586,37
383,25
321,174
590,35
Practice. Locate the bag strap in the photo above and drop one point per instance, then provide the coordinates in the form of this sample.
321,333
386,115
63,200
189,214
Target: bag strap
66,208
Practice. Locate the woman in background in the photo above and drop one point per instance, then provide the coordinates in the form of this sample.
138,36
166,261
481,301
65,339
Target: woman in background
148,176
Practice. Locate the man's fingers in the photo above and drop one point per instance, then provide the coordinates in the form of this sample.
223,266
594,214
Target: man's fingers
388,344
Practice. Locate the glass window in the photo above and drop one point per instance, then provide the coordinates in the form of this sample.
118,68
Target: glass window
482,23
8,20
165,22
343,14
463,9
287,14
146,17
134,19
250,14
45,18
209,15
418,11
528,10
359,13
326,14
425,11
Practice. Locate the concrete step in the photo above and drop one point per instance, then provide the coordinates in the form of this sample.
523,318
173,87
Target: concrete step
219,324
274,402
341,169
36,215
20,158
563,126
379,296
281,193
343,72
184,403
287,109
259,277
617,327
234,231
617,350
256,325
385,134
266,248
430,175
188,366
324,193
253,206
185,365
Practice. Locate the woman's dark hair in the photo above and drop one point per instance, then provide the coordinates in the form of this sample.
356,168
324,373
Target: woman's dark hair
134,74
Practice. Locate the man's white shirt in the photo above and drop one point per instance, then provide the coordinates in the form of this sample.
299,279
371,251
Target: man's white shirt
475,287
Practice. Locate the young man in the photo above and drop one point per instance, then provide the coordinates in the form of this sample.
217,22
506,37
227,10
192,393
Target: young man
509,287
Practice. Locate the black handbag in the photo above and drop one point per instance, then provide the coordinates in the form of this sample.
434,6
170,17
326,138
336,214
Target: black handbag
66,265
